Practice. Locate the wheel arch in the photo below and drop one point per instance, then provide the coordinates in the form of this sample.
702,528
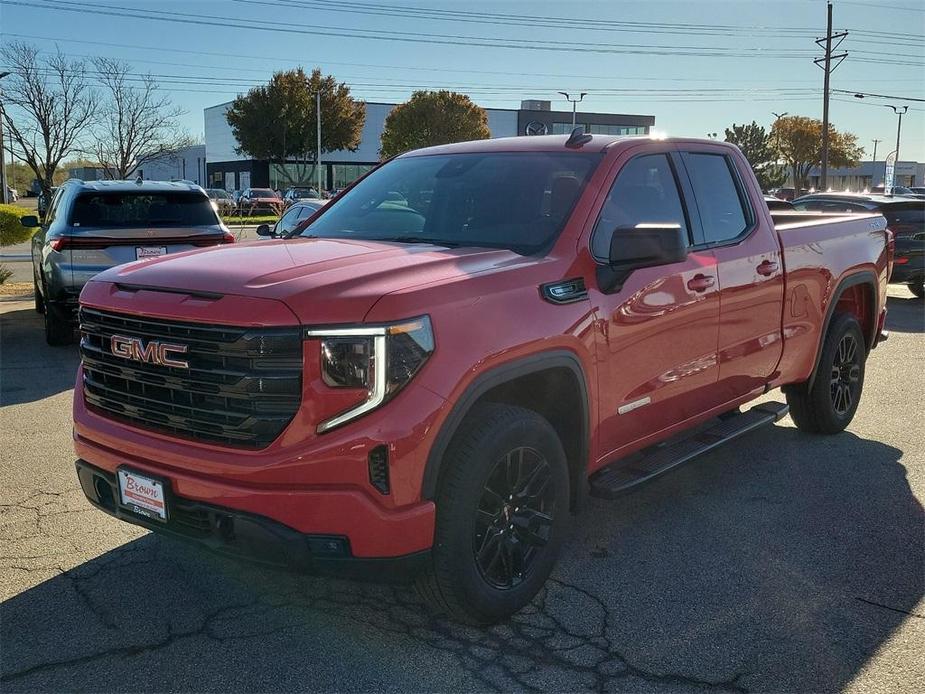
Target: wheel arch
515,383
856,293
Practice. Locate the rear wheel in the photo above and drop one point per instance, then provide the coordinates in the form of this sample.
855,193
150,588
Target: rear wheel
918,288
829,405
502,509
58,328
39,302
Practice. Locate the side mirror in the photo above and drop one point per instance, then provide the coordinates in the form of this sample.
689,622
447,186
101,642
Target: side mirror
647,245
29,221
264,230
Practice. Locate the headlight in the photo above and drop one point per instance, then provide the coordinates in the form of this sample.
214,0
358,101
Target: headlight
381,359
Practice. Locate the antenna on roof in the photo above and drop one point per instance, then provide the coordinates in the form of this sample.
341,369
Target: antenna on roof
139,180
578,138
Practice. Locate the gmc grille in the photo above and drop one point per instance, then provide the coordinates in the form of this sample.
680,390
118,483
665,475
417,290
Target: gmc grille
242,387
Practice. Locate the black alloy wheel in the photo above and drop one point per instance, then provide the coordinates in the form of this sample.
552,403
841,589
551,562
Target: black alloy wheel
846,375
514,517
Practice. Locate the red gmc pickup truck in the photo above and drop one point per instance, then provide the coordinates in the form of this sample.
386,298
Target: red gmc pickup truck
429,376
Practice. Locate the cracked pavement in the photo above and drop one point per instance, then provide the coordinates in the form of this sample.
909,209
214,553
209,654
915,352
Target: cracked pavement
781,563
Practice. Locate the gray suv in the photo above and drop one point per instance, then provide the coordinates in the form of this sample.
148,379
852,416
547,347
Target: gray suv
94,225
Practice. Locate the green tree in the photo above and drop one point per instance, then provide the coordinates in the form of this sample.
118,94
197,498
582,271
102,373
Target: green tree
798,141
433,118
755,143
277,122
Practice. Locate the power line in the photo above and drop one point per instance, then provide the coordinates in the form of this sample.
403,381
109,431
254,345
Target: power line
405,36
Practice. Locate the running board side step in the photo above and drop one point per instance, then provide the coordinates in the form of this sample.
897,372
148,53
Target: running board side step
619,477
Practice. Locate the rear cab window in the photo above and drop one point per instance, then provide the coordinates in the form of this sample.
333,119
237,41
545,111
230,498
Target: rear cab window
725,214
113,209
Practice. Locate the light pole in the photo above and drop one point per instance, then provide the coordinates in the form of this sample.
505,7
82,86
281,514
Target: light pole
318,140
574,103
4,192
876,142
899,111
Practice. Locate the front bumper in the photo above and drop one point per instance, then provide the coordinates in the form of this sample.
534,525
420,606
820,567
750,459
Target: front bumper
248,536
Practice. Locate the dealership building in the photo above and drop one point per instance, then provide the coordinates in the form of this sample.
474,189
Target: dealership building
227,169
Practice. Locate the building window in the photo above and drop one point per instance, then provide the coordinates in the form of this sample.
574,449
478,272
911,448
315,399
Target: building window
599,129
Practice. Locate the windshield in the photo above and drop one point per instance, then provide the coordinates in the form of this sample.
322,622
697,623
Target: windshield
218,194
515,200
262,193
102,210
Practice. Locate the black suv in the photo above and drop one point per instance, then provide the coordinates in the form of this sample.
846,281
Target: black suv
905,217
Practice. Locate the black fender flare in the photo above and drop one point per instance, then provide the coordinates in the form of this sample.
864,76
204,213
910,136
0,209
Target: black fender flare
496,376
852,280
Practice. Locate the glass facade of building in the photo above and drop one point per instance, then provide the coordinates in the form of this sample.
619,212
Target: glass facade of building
599,129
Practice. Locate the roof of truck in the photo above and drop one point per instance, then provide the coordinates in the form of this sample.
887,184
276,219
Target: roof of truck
550,143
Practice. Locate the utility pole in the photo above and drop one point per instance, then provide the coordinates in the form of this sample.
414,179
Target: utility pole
4,192
574,103
876,142
826,64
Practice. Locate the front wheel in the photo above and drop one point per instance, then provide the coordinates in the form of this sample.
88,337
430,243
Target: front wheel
502,510
829,406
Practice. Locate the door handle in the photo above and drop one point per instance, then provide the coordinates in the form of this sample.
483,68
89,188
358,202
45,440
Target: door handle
700,283
767,268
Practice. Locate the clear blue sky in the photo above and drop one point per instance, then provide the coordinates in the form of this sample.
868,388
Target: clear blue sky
632,57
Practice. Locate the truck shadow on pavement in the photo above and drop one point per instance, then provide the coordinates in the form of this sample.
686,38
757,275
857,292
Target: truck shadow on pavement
30,369
906,315
781,564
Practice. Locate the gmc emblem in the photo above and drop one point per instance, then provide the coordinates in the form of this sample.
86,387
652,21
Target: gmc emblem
152,353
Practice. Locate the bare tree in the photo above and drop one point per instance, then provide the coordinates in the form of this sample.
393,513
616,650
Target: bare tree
48,106
137,122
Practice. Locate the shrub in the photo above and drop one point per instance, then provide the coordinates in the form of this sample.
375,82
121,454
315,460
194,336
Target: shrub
11,231
5,273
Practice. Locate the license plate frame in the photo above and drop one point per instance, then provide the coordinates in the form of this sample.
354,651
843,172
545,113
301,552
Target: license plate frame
142,494
148,252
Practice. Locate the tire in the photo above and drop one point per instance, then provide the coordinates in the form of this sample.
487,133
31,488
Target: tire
58,329
39,301
918,288
491,556
829,406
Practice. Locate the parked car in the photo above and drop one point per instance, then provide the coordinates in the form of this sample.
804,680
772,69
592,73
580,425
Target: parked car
905,217
94,225
291,221
293,195
224,202
431,391
777,205
895,190
787,193
42,202
260,201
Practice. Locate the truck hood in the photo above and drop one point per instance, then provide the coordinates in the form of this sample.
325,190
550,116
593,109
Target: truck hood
321,280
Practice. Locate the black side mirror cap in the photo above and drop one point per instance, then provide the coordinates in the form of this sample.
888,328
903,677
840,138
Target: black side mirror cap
644,245
29,221
265,230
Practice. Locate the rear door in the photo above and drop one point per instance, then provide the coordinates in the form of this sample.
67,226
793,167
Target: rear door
657,363
750,267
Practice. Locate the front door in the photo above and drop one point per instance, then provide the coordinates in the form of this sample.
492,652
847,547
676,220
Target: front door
658,353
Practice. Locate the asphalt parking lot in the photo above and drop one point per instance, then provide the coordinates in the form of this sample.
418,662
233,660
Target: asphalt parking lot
782,563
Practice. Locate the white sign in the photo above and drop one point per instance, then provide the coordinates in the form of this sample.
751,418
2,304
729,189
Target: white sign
142,495
889,174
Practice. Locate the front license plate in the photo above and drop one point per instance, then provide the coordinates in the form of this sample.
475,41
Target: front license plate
142,495
142,252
